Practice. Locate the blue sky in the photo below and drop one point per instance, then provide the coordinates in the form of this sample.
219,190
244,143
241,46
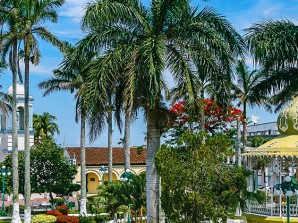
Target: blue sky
241,13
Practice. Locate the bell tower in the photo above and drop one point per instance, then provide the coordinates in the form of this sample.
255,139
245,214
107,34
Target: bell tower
6,122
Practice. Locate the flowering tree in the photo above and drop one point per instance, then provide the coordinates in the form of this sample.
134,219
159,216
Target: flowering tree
216,118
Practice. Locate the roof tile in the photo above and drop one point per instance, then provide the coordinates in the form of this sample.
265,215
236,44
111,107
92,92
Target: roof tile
99,155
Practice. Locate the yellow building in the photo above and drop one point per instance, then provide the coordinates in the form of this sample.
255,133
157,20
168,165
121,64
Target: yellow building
96,157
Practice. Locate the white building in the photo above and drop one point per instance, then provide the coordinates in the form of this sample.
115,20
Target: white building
6,123
268,129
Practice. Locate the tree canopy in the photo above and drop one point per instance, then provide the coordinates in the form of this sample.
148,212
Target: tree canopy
197,184
50,170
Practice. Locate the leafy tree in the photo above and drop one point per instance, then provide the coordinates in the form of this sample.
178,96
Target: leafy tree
139,43
197,185
50,170
216,119
274,47
44,126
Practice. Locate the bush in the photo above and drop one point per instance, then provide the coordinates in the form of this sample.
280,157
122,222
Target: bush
86,219
8,209
54,213
101,218
43,218
63,209
67,219
57,202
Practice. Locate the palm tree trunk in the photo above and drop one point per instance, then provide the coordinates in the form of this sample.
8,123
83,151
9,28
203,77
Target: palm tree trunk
27,211
202,112
152,179
110,148
127,140
244,123
15,156
83,207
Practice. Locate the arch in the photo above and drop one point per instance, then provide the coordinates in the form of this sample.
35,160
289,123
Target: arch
92,181
21,118
114,176
142,171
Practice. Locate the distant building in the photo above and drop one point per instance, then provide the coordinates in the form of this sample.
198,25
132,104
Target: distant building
96,157
6,124
268,129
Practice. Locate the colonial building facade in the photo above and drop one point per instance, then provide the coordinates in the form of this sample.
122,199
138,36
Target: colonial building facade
97,158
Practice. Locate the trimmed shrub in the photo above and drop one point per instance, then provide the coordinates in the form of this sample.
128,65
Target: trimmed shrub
57,202
54,213
86,219
63,209
43,218
101,218
67,219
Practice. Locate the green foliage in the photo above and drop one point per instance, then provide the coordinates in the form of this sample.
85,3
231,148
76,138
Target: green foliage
86,219
95,205
57,201
50,170
257,141
118,194
44,126
43,218
197,185
259,163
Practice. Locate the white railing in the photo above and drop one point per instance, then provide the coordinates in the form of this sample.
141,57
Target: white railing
271,209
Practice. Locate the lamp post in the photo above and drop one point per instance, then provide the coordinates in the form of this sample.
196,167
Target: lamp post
126,177
4,172
288,187
103,170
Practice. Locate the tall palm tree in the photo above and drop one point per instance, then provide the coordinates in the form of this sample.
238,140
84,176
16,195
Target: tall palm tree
69,77
140,43
33,14
246,92
274,46
9,44
44,126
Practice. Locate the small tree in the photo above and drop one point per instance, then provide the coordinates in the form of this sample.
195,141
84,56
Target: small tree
197,185
50,170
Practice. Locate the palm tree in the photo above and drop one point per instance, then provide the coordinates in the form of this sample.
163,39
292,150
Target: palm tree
9,44
33,14
44,126
274,46
140,43
69,77
246,92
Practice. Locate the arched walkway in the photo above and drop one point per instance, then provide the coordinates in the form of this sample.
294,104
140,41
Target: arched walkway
93,180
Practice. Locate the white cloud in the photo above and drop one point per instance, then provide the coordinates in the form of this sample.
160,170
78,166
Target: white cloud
73,8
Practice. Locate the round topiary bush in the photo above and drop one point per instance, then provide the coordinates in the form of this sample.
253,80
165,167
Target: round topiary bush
43,218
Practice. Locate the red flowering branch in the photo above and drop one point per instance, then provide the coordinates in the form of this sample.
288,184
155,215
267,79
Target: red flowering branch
215,117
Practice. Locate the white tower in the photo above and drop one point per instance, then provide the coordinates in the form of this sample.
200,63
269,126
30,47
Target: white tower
6,122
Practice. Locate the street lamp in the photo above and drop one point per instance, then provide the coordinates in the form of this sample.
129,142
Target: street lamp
288,187
103,170
127,177
4,172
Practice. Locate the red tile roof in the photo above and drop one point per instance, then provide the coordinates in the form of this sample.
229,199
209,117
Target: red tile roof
99,155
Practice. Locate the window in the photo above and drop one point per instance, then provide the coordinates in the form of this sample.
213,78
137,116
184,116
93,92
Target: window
92,179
